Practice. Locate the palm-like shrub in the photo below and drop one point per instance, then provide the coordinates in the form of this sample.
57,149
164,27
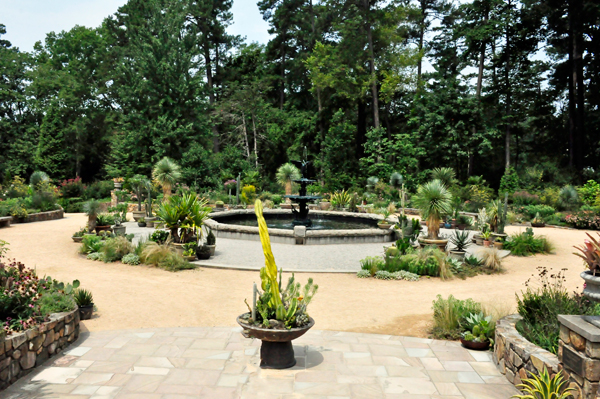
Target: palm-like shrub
139,184
446,175
91,209
166,172
38,177
183,215
285,175
434,200
568,197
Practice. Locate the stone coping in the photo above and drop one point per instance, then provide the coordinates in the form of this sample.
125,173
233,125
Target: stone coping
581,326
21,353
516,357
214,224
41,216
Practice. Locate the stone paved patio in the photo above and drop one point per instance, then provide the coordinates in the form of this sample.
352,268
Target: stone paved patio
219,363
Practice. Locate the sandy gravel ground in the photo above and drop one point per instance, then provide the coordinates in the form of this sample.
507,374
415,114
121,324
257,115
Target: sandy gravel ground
140,296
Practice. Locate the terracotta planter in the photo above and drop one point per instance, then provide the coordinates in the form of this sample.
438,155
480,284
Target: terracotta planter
478,346
102,228
276,351
592,285
487,243
441,244
137,215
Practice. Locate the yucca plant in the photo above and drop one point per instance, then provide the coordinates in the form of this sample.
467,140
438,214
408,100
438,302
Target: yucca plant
38,177
568,197
371,182
544,387
91,209
434,200
446,175
166,172
285,175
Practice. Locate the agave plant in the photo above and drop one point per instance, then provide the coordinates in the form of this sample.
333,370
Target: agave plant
460,239
166,172
446,175
544,387
285,175
434,201
340,199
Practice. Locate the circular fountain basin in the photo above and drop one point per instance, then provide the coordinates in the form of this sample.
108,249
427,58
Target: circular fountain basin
328,227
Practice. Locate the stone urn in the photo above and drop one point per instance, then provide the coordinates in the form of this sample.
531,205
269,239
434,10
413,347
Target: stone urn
150,221
325,205
441,244
276,351
137,215
592,285
384,225
77,239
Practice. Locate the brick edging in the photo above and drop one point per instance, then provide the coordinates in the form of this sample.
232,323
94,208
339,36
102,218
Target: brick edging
22,353
516,357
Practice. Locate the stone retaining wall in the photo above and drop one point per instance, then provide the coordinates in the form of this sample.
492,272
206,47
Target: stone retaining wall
40,217
516,357
21,353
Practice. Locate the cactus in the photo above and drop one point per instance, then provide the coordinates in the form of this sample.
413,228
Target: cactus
270,269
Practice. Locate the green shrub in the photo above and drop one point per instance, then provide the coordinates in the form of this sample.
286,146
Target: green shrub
540,307
524,198
99,190
526,243
449,316
277,199
363,274
95,256
590,192
159,236
55,302
115,248
164,256
131,259
372,264
530,211
90,244
105,219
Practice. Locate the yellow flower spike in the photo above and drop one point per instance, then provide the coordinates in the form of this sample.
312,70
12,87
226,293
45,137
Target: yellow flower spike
270,266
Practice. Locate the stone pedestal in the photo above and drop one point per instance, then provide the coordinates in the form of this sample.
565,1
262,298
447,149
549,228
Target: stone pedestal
300,234
579,354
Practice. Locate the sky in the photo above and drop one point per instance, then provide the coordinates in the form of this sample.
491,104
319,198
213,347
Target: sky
28,21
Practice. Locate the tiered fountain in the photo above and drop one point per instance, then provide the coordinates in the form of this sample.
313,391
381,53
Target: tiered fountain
301,214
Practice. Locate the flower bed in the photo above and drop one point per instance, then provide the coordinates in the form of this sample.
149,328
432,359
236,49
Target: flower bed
584,220
21,353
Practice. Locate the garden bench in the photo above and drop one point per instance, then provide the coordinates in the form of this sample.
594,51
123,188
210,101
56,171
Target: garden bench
5,221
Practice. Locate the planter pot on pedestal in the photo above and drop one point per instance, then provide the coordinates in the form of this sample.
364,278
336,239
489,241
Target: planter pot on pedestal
592,285
137,215
141,224
538,224
85,312
441,244
77,239
384,226
150,222
276,351
120,230
458,255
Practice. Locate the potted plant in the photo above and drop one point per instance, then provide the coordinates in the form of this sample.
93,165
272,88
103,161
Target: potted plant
499,242
118,182
486,238
189,251
481,224
590,253
92,209
384,223
537,221
104,221
460,240
434,200
203,252
118,227
85,302
277,315
78,235
480,329
219,205
211,242
139,184
141,222
183,215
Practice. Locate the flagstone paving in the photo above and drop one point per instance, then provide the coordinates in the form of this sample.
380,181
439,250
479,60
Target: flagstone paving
180,363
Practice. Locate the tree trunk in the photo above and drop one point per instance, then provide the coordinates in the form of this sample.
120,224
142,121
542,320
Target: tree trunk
508,95
372,66
361,129
255,141
245,135
578,83
282,77
421,39
211,96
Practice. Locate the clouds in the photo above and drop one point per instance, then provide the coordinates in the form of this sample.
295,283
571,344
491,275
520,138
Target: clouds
28,21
